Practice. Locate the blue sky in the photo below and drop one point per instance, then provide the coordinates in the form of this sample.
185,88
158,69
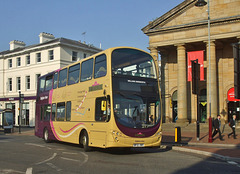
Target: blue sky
109,22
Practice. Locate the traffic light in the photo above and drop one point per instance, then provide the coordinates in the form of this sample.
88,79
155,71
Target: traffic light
236,55
195,76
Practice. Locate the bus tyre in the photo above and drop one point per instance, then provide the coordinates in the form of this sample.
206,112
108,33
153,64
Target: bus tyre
85,142
46,135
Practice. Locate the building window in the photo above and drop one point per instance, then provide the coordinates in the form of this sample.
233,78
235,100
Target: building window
18,83
19,61
50,55
38,59
28,59
84,55
9,63
74,56
9,84
27,82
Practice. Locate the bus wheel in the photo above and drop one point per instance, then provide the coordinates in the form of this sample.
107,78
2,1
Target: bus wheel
46,136
85,142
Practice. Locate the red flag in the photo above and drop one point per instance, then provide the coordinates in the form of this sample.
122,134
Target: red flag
193,55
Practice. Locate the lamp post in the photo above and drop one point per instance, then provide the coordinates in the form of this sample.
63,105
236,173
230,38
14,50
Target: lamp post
201,3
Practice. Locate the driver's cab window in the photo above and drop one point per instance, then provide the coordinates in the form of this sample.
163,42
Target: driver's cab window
103,109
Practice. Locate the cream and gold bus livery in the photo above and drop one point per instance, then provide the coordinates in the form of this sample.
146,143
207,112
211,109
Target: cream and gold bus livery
110,99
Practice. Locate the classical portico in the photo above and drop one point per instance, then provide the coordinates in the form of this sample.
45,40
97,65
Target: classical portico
184,29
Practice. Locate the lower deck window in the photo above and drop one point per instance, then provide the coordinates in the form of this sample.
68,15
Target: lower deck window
60,111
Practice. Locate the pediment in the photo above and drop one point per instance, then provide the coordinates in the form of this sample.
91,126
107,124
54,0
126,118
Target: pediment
187,14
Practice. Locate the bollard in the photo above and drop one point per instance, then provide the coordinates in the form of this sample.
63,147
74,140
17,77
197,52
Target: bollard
210,129
178,134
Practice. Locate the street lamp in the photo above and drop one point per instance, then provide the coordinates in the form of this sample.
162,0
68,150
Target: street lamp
201,3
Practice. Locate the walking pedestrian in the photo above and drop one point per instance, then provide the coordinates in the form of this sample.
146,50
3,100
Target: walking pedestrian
217,126
232,124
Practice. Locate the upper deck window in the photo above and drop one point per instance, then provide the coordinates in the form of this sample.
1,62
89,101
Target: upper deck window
55,80
41,84
100,68
73,74
133,63
87,70
49,83
62,78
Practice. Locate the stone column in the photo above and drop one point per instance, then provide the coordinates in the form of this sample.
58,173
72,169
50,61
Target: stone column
212,79
164,83
154,53
182,84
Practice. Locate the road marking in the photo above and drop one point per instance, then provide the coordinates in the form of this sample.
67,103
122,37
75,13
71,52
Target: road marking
54,167
4,141
233,163
29,171
33,144
69,159
86,158
49,159
7,171
69,153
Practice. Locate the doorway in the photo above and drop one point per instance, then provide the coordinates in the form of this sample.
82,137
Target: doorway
233,108
174,107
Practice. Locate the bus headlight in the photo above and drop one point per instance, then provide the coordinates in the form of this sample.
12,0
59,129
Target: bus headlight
116,133
158,134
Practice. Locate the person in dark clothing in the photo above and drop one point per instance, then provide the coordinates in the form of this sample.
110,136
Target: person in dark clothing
217,126
232,124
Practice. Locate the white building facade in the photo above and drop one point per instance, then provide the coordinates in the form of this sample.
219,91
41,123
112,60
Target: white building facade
21,66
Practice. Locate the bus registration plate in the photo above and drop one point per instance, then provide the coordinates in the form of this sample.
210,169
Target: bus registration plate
138,145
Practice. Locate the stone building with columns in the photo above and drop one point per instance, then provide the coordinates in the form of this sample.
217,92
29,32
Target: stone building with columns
184,29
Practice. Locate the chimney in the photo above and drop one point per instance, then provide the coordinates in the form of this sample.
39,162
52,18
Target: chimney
44,37
16,44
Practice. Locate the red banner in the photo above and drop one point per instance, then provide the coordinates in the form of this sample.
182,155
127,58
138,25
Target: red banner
231,96
193,55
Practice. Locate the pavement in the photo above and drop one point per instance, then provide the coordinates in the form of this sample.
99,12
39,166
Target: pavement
228,149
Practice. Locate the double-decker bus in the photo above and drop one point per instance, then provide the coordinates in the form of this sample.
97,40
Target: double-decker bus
110,99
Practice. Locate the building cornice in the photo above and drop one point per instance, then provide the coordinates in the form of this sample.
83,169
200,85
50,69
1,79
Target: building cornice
47,45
